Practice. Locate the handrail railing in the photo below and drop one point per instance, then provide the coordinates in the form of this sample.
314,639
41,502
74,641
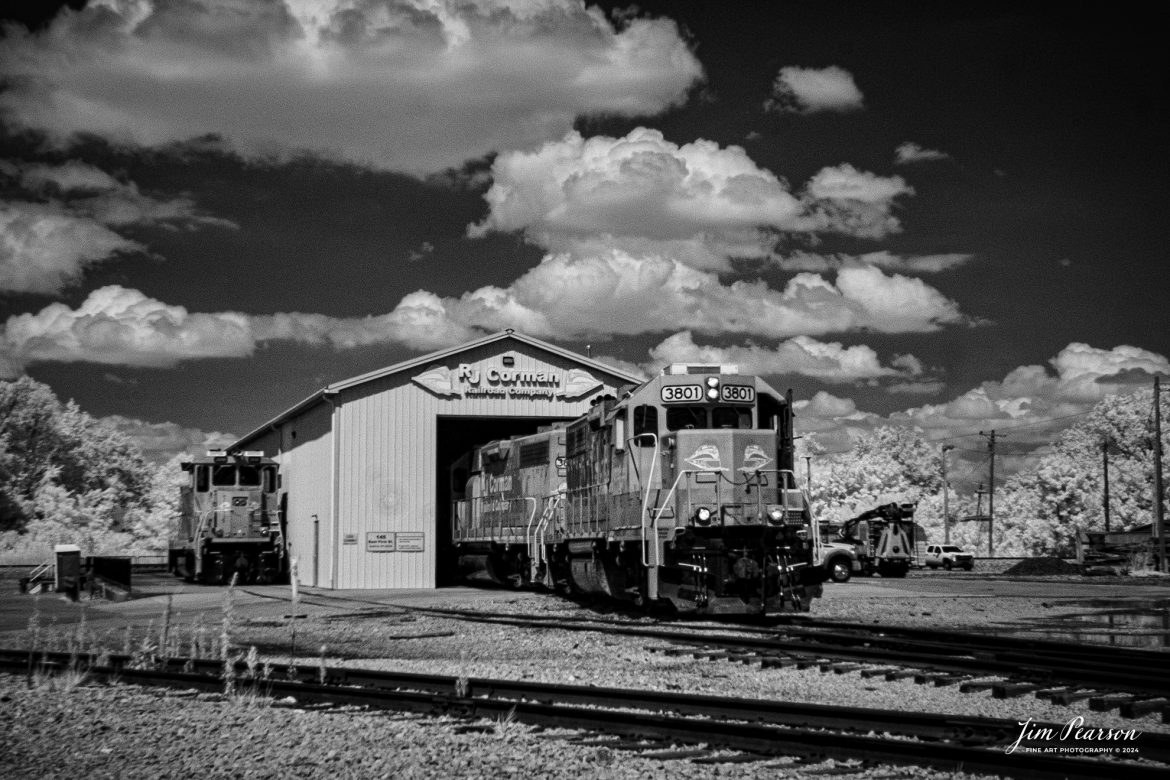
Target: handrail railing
651,515
660,508
41,569
536,539
490,527
585,495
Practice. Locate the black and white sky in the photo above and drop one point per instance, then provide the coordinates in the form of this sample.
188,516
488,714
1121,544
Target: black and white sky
949,215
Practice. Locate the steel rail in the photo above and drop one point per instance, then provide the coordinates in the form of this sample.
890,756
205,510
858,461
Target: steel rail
750,738
957,655
919,724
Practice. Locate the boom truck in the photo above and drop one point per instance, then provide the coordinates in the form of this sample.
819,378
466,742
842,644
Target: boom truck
878,541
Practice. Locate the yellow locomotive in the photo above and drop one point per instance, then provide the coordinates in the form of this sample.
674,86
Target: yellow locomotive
681,491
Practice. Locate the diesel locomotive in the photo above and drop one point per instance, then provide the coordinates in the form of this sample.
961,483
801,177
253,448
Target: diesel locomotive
230,522
679,492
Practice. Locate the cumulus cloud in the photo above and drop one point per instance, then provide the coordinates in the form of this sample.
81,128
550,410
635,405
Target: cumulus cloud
913,153
46,244
699,202
560,298
811,90
805,356
344,78
906,264
618,294
1030,404
845,200
44,247
120,326
160,442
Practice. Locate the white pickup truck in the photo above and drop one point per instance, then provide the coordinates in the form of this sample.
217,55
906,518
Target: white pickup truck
949,557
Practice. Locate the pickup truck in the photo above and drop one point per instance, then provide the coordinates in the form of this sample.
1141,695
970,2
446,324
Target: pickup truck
949,557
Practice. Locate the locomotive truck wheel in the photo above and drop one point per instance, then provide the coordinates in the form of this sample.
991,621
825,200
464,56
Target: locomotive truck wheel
839,569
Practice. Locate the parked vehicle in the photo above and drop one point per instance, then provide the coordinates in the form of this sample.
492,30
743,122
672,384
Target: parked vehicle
949,557
875,542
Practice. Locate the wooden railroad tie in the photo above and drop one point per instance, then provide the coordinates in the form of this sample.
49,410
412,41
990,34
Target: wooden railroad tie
979,685
1110,701
1136,709
1073,695
1011,690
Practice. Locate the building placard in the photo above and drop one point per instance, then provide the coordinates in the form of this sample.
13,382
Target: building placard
349,539
487,380
380,541
411,541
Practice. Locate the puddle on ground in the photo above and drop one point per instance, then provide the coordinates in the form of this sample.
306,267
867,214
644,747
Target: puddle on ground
1140,623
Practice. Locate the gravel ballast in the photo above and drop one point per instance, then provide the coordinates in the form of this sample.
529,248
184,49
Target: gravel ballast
129,732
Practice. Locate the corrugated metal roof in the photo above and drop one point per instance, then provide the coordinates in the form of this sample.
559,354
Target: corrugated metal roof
422,360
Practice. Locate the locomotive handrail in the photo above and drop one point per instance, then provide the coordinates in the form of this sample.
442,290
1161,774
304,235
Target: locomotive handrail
659,509
528,530
586,492
656,514
494,529
536,542
646,496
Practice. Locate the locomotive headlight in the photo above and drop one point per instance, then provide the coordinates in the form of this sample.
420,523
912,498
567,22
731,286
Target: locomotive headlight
712,382
712,393
775,514
703,515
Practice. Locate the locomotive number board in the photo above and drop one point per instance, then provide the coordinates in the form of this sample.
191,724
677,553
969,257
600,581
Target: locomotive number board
737,394
673,394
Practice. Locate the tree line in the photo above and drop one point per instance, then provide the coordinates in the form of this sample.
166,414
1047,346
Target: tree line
1038,510
68,477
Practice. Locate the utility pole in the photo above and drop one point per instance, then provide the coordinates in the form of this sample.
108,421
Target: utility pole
1159,492
990,494
946,514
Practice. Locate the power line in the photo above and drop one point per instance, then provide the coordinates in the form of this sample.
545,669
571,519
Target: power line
1012,427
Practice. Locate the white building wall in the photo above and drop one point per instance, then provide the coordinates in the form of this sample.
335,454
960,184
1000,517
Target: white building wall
305,455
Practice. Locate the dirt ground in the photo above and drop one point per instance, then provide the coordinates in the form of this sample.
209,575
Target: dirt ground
1127,611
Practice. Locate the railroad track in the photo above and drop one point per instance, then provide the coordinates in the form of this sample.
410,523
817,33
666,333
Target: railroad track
1127,680
664,725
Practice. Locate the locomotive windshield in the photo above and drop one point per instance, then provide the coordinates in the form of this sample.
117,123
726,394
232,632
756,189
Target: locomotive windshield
244,475
680,417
